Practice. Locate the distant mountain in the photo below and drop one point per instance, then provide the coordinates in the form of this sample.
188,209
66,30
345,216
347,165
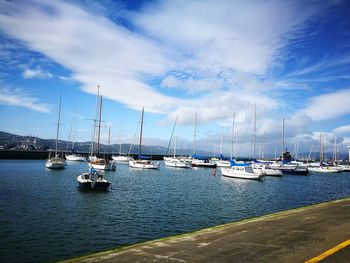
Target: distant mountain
10,141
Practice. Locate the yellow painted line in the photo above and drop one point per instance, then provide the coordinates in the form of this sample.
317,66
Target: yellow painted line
329,252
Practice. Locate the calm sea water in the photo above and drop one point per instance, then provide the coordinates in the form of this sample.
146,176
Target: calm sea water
44,217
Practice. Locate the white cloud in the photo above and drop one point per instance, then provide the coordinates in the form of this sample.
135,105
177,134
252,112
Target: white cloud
94,49
192,86
215,55
329,105
342,129
36,73
241,35
203,40
20,99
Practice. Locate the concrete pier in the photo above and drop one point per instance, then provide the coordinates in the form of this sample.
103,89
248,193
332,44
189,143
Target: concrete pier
296,235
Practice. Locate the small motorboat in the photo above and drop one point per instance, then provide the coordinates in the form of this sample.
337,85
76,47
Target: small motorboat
93,180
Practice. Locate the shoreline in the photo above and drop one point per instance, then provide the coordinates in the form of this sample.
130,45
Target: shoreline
122,253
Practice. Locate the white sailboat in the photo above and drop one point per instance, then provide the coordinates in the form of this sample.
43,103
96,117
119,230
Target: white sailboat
175,161
199,161
74,157
96,162
121,158
56,162
141,162
323,167
222,162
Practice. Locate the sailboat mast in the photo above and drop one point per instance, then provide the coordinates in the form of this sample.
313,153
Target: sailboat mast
283,140
171,137
141,131
194,134
335,148
120,143
254,136
99,127
58,123
233,133
109,135
175,147
263,146
321,147
94,122
222,128
74,129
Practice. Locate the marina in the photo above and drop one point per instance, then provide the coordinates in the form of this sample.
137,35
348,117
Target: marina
45,217
174,131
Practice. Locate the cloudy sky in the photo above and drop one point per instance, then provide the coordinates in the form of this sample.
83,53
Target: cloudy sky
176,58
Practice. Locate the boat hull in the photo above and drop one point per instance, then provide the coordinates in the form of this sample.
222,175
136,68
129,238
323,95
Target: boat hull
144,165
228,172
176,164
272,172
55,164
99,186
104,167
87,184
203,164
122,159
324,170
295,171
75,158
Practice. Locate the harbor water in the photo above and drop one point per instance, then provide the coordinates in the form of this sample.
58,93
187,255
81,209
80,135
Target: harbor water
45,217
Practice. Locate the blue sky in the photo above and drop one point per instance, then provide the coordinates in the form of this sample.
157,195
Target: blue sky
175,58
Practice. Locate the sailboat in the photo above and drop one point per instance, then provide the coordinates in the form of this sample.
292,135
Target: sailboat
142,162
94,180
56,162
322,166
121,158
197,160
176,162
223,162
95,161
74,156
287,166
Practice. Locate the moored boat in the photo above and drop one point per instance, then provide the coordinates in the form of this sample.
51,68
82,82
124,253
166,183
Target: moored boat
75,157
93,181
56,162
202,161
242,171
103,164
176,162
122,158
325,169
143,162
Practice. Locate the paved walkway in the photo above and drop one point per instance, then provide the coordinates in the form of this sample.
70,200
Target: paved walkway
296,235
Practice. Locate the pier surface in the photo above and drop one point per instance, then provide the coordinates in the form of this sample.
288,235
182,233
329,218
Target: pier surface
317,233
